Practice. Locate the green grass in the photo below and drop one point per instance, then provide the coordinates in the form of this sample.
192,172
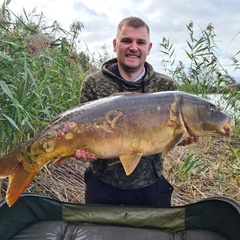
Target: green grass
40,74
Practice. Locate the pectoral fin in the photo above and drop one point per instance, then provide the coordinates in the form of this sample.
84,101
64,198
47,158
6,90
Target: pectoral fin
130,162
59,159
172,144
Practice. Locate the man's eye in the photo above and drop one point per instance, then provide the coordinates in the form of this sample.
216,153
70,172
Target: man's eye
125,41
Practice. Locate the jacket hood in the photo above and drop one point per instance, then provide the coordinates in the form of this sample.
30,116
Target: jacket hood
125,85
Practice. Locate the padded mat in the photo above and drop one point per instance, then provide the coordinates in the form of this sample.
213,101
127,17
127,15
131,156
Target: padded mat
57,230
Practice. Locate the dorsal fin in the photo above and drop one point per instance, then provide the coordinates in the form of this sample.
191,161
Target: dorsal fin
126,94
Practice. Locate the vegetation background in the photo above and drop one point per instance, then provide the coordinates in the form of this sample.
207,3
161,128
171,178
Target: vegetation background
41,70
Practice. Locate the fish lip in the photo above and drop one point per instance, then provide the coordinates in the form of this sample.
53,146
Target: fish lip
226,131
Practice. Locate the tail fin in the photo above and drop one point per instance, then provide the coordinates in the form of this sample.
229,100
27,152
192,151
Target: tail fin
19,177
9,163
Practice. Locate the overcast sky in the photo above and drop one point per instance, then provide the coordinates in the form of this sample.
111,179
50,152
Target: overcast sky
166,18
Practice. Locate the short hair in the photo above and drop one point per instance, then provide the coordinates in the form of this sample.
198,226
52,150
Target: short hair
134,22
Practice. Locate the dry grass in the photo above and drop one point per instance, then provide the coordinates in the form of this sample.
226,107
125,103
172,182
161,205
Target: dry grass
65,181
217,174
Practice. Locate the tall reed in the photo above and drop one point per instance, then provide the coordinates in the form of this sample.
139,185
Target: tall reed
40,73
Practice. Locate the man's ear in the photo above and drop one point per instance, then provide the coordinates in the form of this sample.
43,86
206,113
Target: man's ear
114,44
149,47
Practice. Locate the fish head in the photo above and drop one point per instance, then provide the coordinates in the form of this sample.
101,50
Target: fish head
201,117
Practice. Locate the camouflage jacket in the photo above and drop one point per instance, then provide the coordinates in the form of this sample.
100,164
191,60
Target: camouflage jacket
104,83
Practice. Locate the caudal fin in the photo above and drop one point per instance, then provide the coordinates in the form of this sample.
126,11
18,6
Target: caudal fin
19,177
9,163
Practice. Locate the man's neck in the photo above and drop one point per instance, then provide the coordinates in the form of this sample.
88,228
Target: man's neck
131,76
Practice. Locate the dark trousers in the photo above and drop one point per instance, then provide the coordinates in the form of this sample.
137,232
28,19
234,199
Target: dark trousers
98,192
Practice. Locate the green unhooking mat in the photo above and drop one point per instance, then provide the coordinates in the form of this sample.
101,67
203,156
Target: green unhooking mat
36,217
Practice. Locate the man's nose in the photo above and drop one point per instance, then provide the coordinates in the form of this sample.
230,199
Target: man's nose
133,47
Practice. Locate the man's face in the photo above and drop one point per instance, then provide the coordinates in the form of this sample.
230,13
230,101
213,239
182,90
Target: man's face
132,46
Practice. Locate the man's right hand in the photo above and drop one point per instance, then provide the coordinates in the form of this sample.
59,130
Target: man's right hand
84,156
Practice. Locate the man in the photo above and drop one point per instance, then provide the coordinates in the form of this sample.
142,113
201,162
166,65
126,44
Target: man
106,181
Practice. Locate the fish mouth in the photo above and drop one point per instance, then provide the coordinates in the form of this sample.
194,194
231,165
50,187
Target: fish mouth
227,129
226,132
224,129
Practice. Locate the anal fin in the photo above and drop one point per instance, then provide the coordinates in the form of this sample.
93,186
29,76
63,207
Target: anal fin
130,162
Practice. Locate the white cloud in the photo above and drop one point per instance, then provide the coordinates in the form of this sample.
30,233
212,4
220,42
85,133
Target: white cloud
165,18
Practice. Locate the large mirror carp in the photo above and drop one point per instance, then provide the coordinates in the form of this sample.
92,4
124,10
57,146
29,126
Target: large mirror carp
125,126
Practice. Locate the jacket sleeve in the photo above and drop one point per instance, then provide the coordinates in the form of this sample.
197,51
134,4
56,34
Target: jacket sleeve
172,85
88,90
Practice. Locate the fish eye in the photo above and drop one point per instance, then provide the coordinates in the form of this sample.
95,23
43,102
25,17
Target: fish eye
213,108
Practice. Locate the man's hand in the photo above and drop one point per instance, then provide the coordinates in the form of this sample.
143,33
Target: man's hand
84,156
188,141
